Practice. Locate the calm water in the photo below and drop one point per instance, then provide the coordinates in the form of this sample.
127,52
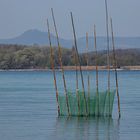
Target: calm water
28,108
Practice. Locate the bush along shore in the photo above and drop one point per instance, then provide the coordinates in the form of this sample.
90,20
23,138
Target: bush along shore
21,57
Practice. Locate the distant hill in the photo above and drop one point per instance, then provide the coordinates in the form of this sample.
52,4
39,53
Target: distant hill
32,37
37,37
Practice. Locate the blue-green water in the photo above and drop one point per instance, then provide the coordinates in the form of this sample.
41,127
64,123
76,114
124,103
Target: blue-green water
28,108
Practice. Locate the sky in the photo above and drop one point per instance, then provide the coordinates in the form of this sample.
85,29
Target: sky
17,16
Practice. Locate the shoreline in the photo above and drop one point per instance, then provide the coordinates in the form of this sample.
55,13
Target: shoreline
84,68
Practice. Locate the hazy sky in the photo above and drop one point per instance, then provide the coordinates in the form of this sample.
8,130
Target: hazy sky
17,16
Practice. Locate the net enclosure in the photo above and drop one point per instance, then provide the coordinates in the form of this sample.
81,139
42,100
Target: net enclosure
98,104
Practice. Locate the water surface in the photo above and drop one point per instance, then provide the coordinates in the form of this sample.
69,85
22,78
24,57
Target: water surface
28,108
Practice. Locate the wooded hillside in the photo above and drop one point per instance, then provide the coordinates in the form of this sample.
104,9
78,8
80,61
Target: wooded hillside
26,57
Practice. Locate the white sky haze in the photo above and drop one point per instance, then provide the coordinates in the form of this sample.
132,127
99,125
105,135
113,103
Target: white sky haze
17,16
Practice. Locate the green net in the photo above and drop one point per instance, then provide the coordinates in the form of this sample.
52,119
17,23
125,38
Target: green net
98,104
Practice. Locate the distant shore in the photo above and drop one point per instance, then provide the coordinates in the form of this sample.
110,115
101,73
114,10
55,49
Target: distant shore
84,68
103,68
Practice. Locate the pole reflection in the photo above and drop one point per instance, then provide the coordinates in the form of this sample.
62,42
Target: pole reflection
74,128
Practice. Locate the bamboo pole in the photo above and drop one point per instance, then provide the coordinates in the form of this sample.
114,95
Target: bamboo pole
108,54
87,59
77,86
52,66
60,61
78,57
96,57
115,66
75,57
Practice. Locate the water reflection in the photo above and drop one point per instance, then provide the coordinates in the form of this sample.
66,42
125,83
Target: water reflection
86,128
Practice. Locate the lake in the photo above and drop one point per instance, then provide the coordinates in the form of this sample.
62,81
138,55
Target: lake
28,108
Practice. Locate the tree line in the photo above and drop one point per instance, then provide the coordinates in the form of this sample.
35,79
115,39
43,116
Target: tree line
38,57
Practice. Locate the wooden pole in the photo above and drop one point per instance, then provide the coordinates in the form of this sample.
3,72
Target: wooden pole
115,66
60,61
77,86
108,54
96,57
52,66
87,59
78,57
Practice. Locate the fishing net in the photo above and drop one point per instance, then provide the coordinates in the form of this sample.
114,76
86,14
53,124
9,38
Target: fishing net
97,104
